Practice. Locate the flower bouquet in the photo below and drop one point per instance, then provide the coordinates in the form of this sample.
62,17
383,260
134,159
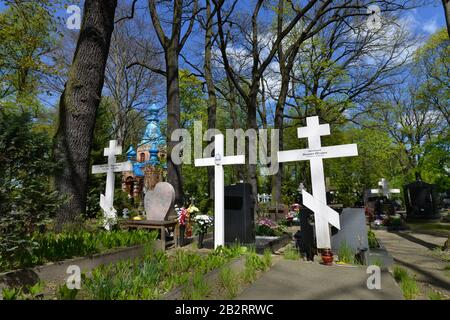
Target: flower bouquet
183,218
201,224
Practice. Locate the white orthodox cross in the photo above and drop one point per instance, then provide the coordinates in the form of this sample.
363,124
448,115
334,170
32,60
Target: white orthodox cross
107,200
218,161
317,202
384,188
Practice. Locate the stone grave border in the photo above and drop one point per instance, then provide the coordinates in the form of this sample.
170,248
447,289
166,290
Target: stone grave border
56,271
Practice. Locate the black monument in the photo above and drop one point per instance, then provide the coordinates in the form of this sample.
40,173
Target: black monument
421,201
239,214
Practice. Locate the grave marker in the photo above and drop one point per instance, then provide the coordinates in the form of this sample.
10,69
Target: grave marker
384,189
218,161
315,154
107,200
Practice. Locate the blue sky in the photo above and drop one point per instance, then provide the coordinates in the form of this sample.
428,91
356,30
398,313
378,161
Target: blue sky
423,21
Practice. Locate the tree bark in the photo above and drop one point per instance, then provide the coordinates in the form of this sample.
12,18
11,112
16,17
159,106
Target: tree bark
212,98
78,107
174,176
172,47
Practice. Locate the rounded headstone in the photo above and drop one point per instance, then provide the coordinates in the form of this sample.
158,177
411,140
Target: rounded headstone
159,201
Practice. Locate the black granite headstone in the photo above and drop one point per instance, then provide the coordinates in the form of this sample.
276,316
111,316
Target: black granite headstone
239,214
305,238
421,201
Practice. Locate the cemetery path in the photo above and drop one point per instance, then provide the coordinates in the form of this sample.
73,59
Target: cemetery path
299,280
416,253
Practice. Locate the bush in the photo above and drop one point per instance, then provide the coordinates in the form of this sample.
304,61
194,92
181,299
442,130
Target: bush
26,202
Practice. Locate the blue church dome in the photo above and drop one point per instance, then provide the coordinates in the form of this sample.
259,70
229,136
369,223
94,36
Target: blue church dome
153,136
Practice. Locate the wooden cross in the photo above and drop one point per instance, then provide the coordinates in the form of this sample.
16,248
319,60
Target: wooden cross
317,202
218,161
384,189
107,200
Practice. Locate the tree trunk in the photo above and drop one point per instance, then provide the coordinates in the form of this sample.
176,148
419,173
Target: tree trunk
278,123
446,4
252,124
174,176
78,106
212,99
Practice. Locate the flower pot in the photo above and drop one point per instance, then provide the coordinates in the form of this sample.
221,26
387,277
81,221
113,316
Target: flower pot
327,257
181,235
201,236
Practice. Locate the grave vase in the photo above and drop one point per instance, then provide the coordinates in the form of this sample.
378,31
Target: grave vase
327,257
201,236
181,235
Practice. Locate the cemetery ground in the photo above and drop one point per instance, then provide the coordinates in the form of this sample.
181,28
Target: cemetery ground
238,272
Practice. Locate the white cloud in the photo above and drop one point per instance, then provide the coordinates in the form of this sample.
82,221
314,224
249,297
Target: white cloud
430,26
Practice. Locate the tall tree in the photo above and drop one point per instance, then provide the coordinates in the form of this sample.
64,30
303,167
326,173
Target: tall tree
26,38
172,46
248,30
78,106
446,4
212,98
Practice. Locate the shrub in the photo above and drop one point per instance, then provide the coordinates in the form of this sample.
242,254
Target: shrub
26,202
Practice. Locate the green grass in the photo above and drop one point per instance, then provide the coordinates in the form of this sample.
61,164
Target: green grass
408,284
253,264
157,274
31,292
440,229
441,254
373,241
291,253
50,247
229,281
197,289
435,295
346,254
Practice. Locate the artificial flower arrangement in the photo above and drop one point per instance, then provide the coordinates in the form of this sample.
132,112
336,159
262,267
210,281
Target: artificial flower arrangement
267,227
202,222
182,214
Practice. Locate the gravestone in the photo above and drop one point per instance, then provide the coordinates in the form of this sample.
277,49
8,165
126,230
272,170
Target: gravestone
239,214
353,231
421,201
305,237
159,201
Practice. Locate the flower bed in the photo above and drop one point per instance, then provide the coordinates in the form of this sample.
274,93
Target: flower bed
51,247
266,227
153,276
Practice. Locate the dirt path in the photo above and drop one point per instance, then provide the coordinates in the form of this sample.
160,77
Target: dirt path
417,253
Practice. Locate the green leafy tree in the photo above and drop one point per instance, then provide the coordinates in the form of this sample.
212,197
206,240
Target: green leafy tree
27,37
26,202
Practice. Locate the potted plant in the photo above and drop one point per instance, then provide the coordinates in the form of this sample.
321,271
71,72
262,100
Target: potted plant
201,224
